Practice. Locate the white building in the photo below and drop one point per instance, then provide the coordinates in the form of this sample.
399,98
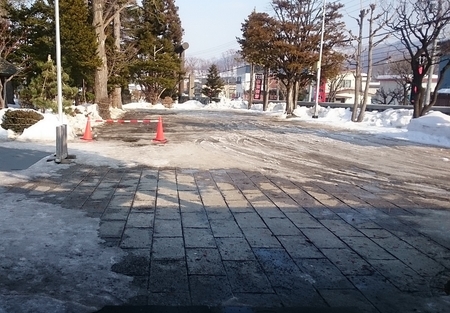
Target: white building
344,87
390,85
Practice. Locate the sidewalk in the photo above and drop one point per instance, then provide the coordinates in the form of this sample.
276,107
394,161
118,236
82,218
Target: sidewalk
19,159
230,238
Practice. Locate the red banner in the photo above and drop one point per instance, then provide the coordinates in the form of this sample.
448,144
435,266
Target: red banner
322,93
258,85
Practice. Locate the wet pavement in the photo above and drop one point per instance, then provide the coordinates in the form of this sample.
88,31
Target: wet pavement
228,240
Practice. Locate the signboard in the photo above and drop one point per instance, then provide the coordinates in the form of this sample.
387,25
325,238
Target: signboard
258,85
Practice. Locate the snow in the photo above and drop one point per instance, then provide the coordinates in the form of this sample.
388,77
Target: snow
66,241
433,129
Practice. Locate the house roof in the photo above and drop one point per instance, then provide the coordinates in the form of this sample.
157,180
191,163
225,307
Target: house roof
6,69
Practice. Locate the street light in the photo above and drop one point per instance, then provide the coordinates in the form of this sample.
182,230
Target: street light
319,64
61,130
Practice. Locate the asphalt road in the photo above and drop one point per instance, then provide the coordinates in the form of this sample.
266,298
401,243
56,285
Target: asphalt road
19,159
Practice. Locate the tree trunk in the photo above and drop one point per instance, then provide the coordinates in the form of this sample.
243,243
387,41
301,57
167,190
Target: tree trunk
252,73
101,74
290,105
362,14
2,93
116,96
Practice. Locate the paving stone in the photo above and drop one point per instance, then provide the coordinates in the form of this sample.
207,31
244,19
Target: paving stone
146,206
358,220
134,263
167,228
263,204
240,206
247,276
137,219
234,249
168,248
299,247
120,202
348,298
249,220
281,270
137,238
348,262
101,194
341,228
209,290
191,207
303,220
168,276
400,275
430,248
97,205
195,220
419,262
111,228
225,228
323,238
281,226
167,213
191,195
115,214
324,274
367,248
219,213
388,299
261,238
232,195
165,201
198,238
213,200
145,196
204,261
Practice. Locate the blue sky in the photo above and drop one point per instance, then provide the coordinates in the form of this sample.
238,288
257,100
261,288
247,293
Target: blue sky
211,26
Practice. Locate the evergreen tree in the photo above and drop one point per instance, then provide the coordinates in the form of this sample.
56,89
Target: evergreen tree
157,65
42,91
214,84
78,42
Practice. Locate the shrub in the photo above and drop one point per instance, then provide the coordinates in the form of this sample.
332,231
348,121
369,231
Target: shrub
18,120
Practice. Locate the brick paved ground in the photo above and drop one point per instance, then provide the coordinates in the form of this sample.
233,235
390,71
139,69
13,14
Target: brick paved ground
233,237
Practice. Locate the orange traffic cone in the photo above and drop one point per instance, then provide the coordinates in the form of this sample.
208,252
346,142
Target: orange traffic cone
87,133
159,132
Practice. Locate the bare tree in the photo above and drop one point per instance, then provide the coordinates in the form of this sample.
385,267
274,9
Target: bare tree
371,45
335,84
418,25
358,64
360,104
401,71
384,96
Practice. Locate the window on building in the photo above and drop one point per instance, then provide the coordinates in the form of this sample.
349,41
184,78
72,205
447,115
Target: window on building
346,83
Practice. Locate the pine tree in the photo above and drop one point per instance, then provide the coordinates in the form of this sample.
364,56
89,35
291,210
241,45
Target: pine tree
42,91
157,65
78,40
214,84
